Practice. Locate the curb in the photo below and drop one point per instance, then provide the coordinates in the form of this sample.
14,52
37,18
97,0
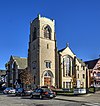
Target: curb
83,103
71,100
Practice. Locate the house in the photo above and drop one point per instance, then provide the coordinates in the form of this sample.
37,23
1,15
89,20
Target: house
2,78
93,72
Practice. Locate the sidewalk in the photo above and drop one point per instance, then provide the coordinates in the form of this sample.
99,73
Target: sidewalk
88,98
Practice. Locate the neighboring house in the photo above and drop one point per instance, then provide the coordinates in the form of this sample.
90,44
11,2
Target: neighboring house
93,72
72,71
2,77
14,67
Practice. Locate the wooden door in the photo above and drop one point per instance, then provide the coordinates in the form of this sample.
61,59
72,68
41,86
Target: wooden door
47,81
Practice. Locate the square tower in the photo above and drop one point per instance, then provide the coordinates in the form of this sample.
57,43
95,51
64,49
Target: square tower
42,49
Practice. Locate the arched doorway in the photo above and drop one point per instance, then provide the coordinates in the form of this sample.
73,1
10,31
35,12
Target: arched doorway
48,78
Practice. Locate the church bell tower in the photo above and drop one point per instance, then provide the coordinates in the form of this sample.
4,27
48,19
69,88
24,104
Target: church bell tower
41,53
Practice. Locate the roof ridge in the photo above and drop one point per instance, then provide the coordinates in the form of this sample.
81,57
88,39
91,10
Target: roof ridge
19,57
92,60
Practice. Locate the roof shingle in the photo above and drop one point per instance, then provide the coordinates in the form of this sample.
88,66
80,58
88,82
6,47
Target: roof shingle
21,62
91,64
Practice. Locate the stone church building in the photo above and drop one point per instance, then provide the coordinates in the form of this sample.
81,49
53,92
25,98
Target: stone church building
48,65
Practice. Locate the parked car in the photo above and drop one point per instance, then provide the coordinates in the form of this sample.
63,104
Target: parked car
27,93
9,90
19,91
12,91
43,92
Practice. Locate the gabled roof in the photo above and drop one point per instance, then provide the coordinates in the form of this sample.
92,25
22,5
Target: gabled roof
21,62
79,60
65,48
61,49
91,64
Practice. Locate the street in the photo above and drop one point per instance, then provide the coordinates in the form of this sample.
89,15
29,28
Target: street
26,101
85,100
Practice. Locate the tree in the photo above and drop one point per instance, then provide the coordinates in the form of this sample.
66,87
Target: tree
26,77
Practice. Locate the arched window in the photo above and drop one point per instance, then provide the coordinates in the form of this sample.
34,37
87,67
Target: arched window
47,74
67,66
47,32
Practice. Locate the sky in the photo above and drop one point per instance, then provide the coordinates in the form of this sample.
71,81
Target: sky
77,22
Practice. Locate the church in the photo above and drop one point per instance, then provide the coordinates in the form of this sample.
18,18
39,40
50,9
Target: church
48,65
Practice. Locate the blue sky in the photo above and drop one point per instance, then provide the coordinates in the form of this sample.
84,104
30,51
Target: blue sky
77,22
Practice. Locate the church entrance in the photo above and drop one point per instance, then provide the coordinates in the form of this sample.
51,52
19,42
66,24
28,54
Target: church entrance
48,78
